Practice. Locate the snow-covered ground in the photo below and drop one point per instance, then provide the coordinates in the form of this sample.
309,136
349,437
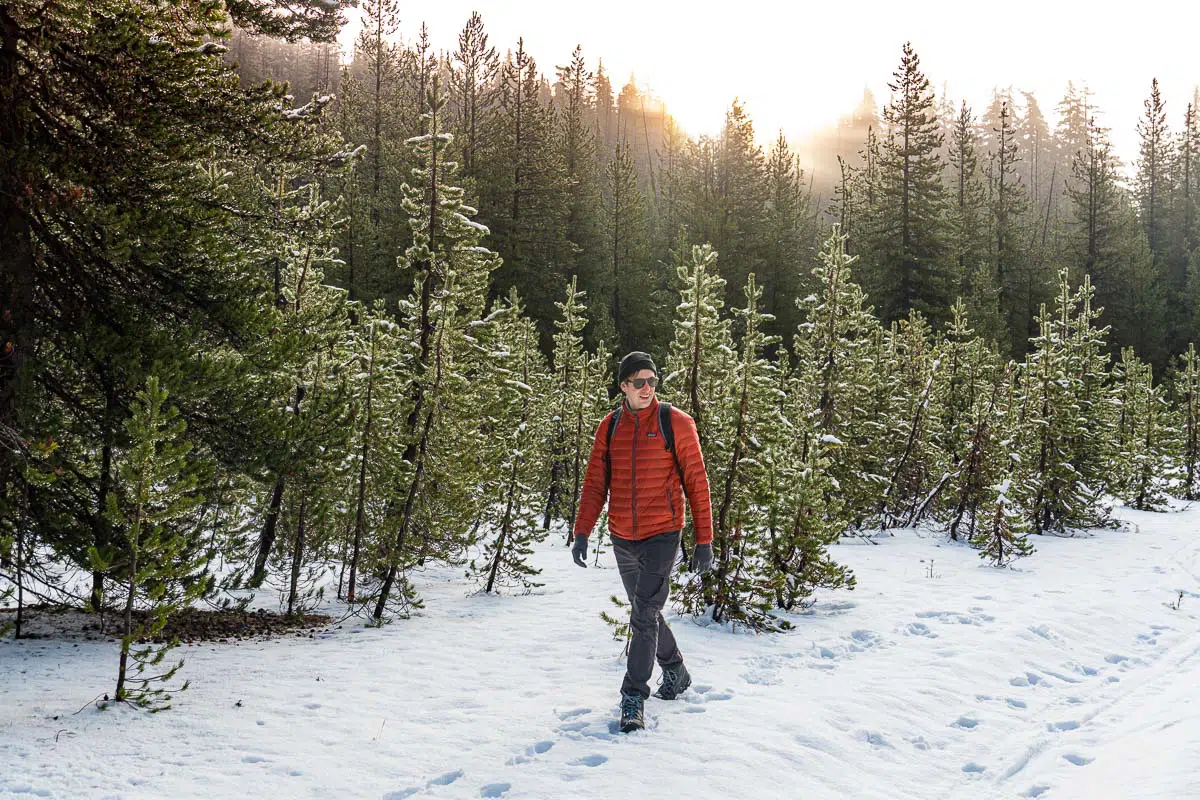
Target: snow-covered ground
1069,676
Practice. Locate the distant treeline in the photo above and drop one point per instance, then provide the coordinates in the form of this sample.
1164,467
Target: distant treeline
939,200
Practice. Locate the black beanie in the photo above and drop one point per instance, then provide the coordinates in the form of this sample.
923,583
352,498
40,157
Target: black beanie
633,363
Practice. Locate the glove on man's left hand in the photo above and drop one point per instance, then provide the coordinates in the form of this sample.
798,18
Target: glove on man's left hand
579,550
702,559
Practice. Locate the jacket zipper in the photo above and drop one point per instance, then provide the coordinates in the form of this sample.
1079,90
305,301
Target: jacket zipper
633,493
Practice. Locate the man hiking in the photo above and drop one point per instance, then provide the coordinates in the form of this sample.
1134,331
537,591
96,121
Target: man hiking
645,475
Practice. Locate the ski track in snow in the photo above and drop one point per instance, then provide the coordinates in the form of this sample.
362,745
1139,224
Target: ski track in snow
960,681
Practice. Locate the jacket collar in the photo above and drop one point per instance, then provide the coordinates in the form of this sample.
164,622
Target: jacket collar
645,415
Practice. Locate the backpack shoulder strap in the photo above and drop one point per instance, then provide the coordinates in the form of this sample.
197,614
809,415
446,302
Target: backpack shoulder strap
667,429
664,425
612,428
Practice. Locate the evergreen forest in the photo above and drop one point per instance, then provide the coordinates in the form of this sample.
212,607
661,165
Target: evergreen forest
284,319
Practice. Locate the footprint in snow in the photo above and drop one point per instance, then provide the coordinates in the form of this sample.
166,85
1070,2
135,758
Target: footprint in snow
447,779
530,753
1028,679
1078,760
973,768
966,723
1015,703
829,609
1036,790
589,761
1115,658
1066,725
576,712
705,694
494,789
861,640
874,738
919,629
574,727
764,671
441,780
1044,632
973,618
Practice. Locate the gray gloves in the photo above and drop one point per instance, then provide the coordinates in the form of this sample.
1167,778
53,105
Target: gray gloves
579,551
702,559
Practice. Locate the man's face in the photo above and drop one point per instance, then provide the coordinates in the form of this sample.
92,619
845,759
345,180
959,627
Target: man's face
636,398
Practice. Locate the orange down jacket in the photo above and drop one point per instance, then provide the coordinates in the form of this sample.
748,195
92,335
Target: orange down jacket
645,497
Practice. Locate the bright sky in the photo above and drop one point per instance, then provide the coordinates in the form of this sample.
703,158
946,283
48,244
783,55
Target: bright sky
800,65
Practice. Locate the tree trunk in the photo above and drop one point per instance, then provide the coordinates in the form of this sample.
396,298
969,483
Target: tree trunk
360,509
127,630
414,453
20,580
726,539
100,527
17,278
297,559
266,539
502,539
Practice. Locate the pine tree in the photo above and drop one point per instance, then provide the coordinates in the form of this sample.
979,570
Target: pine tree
806,512
1107,243
743,586
450,278
1146,446
631,308
910,263
697,369
521,194
986,460
912,463
1072,133
835,350
472,78
1187,390
967,207
576,139
378,392
577,399
1153,188
314,316
790,238
153,511
514,455
1036,164
132,221
1071,437
1183,231
1003,537
1008,206
738,202
380,94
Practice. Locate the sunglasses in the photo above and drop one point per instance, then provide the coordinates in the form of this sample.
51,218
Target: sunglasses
638,383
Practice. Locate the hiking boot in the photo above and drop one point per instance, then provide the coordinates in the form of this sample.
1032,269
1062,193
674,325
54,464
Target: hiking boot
631,712
674,681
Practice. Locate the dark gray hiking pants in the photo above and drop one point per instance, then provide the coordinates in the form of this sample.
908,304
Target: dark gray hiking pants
645,568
